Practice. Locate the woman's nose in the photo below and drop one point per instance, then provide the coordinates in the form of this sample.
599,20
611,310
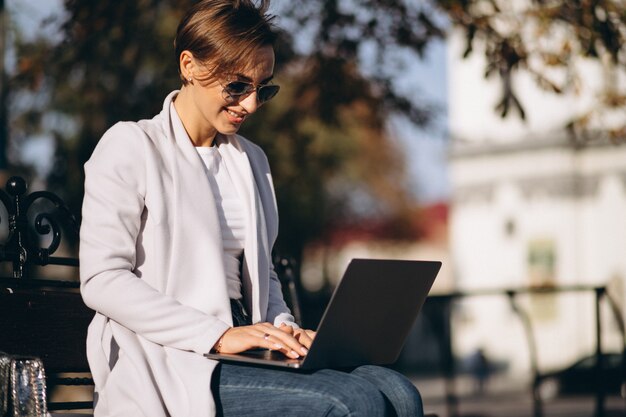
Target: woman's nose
250,103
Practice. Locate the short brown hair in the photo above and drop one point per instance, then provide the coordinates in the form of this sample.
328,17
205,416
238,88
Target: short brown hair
223,34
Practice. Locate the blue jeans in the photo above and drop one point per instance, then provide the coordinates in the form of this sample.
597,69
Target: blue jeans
241,390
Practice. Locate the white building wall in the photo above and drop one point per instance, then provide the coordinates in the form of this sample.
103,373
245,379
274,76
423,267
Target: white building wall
588,234
521,185
472,100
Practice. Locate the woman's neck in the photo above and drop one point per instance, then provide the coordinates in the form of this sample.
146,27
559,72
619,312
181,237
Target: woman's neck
192,121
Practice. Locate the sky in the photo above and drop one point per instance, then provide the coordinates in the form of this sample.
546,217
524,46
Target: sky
425,149
28,16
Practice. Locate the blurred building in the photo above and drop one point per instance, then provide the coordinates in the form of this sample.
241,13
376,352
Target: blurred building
326,260
531,206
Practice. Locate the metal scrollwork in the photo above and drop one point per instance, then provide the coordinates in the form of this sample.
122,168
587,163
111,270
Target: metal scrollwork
24,247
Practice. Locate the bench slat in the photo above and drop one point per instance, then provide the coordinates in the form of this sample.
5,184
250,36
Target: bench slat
49,324
74,405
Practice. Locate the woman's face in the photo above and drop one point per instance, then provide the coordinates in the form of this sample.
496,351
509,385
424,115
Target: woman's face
215,110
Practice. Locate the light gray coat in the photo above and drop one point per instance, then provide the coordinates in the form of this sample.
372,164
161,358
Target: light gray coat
152,268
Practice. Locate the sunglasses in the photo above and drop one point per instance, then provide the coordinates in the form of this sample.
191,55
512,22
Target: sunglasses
234,90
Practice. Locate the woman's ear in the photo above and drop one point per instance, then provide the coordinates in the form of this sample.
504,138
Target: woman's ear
187,65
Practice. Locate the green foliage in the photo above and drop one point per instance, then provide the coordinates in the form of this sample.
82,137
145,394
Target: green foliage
318,164
114,63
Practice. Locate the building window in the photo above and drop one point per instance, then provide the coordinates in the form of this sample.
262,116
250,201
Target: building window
542,273
509,228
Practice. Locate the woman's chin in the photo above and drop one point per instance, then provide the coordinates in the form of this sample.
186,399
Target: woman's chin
229,130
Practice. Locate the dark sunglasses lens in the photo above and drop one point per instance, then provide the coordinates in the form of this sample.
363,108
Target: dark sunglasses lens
238,88
267,92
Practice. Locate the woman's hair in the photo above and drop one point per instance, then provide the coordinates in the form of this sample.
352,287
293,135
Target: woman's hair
223,34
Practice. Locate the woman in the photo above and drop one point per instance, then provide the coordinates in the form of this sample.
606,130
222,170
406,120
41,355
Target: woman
179,219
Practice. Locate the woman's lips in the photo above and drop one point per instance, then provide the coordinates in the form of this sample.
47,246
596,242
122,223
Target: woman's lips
235,117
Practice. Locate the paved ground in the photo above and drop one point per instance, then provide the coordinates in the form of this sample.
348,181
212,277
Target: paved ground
519,406
505,398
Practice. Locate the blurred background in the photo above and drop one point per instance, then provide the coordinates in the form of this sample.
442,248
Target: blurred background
487,134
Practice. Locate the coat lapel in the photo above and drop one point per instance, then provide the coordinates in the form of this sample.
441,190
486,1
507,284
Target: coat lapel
255,248
196,235
194,216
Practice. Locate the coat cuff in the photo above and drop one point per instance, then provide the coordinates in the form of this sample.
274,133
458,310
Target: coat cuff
287,319
208,340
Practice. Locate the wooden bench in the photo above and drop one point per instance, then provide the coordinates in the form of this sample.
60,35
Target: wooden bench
49,322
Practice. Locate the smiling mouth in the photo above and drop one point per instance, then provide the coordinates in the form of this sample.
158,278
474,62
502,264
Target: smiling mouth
235,117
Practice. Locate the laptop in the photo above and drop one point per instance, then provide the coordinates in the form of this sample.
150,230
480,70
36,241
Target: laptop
366,321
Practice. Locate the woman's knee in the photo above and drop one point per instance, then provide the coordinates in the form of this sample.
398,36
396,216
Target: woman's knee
367,401
395,387
355,396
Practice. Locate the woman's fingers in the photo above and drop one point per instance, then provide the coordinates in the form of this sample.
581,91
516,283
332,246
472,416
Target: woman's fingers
263,335
303,337
286,339
271,342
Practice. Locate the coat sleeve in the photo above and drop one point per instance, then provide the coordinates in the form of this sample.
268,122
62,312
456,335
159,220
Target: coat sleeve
115,186
277,309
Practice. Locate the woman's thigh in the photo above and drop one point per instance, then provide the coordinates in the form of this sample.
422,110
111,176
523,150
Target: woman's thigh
255,391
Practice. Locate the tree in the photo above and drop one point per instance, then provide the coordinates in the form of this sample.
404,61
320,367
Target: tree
539,36
325,133
111,65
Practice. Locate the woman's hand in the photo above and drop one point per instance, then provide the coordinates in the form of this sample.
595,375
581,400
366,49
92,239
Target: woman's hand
304,336
264,335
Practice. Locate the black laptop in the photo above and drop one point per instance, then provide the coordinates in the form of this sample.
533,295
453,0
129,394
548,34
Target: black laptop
366,321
